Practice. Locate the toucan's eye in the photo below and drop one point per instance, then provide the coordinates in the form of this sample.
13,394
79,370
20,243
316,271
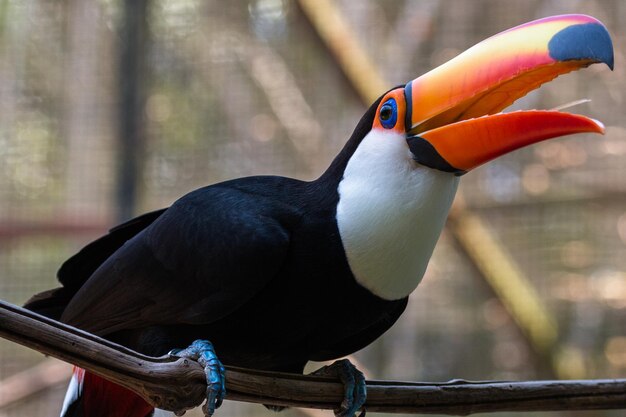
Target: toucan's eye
389,114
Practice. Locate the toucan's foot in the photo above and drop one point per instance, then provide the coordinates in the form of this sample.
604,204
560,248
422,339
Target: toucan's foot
202,351
354,385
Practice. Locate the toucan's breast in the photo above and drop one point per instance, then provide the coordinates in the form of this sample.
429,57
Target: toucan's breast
390,214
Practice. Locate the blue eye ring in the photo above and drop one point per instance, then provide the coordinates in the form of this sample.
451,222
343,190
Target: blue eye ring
388,114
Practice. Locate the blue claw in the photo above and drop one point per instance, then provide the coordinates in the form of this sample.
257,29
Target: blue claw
203,352
355,390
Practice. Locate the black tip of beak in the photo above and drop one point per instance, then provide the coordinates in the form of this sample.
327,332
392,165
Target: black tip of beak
581,42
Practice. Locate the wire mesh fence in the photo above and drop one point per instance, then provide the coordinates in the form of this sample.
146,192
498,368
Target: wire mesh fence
242,88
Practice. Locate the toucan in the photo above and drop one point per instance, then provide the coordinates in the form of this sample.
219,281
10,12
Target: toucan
269,272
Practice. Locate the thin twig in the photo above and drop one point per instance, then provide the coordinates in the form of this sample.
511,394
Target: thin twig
177,384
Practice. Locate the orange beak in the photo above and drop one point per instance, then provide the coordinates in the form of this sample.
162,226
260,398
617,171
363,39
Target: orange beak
453,117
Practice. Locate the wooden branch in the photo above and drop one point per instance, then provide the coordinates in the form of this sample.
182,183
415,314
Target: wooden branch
179,384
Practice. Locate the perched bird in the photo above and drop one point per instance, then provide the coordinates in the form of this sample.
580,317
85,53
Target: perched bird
269,272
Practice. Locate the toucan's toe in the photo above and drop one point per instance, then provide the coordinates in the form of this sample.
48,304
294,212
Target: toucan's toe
203,352
355,390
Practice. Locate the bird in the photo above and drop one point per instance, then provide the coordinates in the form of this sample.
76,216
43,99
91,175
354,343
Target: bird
270,273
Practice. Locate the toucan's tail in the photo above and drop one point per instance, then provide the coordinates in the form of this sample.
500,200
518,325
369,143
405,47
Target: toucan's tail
91,396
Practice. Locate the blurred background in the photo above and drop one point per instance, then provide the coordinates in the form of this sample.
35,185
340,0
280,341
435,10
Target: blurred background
111,108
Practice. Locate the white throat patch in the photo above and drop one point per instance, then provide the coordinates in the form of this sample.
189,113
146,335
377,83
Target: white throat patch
390,214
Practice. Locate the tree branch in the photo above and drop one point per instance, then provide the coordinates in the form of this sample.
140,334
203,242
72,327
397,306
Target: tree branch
176,384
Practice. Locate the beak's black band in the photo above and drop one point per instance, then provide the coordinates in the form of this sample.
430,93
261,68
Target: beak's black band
424,153
408,98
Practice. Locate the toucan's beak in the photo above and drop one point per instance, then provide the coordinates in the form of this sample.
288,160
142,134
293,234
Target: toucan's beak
453,114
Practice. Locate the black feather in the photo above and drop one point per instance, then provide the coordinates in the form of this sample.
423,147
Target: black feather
256,265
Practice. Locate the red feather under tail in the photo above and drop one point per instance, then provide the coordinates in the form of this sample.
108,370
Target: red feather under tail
92,396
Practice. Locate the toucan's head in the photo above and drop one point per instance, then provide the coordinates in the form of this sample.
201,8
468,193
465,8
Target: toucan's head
412,145
451,116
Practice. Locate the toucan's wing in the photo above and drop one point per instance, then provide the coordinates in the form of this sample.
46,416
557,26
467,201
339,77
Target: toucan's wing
76,270
200,260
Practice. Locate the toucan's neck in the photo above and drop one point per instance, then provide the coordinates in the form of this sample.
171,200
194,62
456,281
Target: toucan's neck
389,210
